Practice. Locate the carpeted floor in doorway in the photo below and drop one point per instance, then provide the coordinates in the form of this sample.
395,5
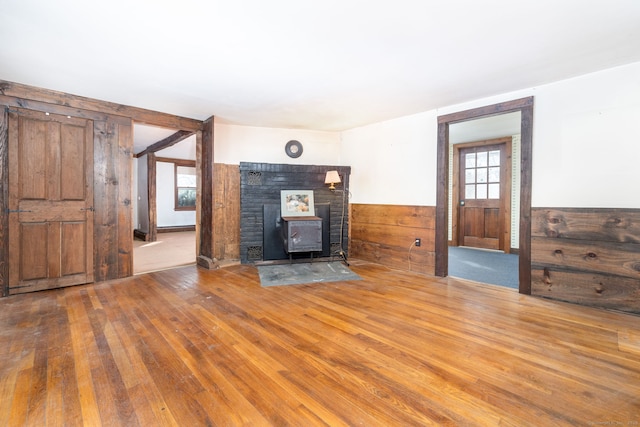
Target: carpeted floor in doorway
493,267
295,274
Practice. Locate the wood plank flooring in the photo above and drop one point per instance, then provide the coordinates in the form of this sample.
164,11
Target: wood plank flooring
191,347
170,250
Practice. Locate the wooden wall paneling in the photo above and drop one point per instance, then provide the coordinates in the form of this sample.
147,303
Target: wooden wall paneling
232,212
227,211
125,224
206,257
622,259
113,245
105,197
385,234
586,288
4,200
587,256
603,224
219,226
30,96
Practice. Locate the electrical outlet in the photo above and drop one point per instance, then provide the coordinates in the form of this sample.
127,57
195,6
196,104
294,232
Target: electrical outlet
418,242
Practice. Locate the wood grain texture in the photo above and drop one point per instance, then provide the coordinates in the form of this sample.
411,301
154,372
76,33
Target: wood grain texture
38,98
112,169
587,256
226,211
4,201
205,207
125,207
385,234
191,346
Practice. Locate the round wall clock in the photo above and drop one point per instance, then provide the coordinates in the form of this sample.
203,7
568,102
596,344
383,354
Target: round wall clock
293,148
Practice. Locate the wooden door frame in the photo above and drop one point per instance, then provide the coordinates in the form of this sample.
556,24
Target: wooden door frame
525,107
505,204
4,200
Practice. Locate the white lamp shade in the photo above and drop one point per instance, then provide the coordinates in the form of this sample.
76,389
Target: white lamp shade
332,177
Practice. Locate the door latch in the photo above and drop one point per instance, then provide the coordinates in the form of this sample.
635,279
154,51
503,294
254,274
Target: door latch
17,210
88,209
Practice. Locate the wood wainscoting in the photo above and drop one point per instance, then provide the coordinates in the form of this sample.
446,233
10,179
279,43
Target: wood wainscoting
587,256
226,226
385,234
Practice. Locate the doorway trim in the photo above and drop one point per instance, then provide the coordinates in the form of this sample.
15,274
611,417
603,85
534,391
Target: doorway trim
525,107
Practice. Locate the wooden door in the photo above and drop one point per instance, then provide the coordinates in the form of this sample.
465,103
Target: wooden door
483,196
50,201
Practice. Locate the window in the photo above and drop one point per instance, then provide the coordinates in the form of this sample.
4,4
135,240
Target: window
185,180
482,175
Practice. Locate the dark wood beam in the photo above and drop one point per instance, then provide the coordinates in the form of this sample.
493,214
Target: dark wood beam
67,101
166,143
204,167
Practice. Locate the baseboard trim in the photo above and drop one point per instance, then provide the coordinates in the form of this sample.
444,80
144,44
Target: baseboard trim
176,228
141,235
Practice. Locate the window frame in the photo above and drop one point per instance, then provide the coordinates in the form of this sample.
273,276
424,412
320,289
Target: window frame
179,163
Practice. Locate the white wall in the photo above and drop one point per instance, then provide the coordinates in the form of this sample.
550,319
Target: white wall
166,216
586,146
234,144
165,198
393,162
141,203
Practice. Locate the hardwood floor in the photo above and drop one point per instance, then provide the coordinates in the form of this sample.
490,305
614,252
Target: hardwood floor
192,347
170,250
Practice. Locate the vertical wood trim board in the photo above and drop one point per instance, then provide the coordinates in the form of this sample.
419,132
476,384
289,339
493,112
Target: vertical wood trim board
125,208
112,200
587,256
206,212
4,200
385,234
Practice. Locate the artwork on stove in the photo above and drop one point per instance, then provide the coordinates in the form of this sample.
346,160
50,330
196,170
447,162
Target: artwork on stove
296,203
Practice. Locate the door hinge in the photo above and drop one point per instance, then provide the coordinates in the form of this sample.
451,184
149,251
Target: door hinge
17,210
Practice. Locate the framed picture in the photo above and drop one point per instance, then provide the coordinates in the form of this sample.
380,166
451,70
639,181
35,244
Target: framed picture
297,203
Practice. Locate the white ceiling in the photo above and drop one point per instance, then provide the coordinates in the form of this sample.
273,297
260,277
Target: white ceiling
485,128
323,65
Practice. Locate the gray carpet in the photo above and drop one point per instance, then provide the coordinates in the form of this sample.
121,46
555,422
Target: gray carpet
496,268
315,272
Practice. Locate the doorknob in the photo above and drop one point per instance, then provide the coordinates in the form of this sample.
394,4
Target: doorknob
461,202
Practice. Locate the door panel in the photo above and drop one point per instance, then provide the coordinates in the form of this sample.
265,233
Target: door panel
33,261
72,255
482,196
50,201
